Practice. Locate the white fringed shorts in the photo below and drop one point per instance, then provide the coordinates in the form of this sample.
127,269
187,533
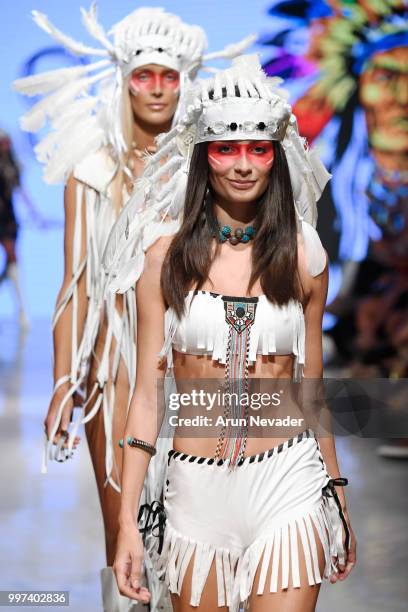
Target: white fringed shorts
232,517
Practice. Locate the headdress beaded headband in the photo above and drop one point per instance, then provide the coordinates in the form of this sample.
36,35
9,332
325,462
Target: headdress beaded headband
147,35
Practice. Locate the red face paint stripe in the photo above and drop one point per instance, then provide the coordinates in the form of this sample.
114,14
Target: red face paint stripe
225,154
148,80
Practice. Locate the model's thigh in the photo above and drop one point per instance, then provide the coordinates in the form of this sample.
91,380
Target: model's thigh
95,428
96,437
209,596
300,599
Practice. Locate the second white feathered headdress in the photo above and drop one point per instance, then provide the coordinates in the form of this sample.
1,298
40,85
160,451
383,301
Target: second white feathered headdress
83,103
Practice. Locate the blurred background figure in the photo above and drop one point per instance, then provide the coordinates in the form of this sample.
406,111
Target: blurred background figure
9,183
347,62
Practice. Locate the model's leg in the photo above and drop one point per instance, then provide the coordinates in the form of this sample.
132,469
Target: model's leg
301,599
108,496
95,433
209,597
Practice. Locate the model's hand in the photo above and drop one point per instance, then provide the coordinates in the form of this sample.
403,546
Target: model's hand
128,564
350,558
65,418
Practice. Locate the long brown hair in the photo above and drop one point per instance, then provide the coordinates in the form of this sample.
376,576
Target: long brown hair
274,252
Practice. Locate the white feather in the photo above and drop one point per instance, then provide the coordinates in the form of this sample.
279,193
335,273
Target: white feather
248,67
232,50
69,43
117,237
55,102
77,108
95,29
36,117
87,139
64,126
43,150
167,188
178,199
53,79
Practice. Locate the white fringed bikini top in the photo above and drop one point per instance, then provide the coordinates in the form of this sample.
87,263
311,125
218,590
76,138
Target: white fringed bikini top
204,329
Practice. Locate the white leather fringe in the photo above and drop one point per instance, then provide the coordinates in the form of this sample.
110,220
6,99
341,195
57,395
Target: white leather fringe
280,548
100,218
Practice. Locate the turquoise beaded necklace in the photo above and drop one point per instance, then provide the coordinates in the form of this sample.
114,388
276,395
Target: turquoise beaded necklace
240,234
225,232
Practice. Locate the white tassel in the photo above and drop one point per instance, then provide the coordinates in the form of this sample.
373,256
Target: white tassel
69,43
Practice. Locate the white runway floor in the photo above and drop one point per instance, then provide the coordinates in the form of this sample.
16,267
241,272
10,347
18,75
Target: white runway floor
50,525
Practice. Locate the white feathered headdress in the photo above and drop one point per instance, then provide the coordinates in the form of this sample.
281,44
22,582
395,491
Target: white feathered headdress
240,103
82,121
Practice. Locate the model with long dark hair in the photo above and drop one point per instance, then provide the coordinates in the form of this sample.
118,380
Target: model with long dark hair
237,294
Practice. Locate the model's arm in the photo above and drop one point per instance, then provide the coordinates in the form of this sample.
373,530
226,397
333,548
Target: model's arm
143,422
314,364
314,309
64,329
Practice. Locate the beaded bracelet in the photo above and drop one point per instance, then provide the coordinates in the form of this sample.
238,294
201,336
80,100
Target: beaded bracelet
136,443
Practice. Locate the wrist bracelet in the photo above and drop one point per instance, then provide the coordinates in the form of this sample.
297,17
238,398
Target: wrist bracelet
339,482
136,443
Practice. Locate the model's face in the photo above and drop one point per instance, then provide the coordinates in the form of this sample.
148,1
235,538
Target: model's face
154,93
239,169
384,95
